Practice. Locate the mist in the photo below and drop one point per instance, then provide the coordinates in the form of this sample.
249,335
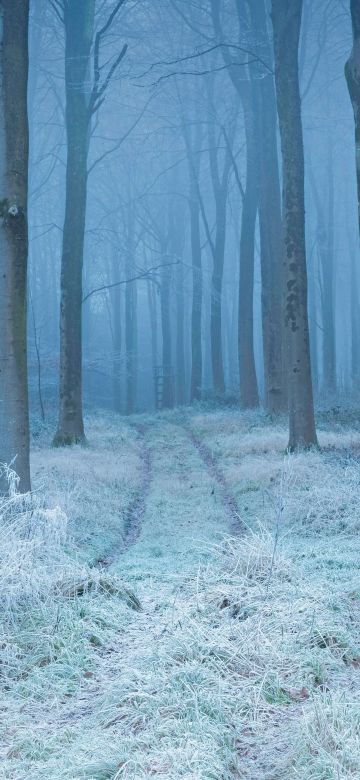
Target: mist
179,389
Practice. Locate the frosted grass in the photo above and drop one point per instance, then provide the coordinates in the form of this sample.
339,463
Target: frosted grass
244,659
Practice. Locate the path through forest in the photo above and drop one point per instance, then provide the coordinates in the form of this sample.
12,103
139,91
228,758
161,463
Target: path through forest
229,661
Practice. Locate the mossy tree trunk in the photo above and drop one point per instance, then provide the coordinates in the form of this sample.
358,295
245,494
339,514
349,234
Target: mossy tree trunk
14,154
286,18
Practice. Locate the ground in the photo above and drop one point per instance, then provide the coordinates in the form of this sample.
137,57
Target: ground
181,599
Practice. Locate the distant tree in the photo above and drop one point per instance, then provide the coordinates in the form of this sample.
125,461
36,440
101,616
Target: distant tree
14,152
131,336
192,136
286,19
352,74
326,252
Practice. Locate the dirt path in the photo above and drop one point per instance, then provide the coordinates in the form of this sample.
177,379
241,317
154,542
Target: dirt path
136,508
228,499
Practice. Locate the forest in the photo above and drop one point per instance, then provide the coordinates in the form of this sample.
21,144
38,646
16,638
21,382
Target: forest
179,389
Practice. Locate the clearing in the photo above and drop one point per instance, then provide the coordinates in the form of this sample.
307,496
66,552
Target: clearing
182,600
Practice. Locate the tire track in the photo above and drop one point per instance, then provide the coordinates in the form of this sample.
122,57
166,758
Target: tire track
237,527
136,509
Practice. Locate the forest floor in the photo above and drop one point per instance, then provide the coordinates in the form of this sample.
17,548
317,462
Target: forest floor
181,599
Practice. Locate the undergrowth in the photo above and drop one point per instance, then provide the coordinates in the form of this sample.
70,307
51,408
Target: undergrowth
245,665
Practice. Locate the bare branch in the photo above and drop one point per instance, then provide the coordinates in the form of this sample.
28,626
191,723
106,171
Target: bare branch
98,89
207,51
143,275
58,8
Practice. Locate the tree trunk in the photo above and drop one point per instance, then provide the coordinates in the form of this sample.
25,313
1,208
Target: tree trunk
196,308
79,25
286,17
216,295
131,320
154,331
249,396
352,74
14,155
116,324
168,385
326,251
270,218
180,347
193,145
355,323
313,324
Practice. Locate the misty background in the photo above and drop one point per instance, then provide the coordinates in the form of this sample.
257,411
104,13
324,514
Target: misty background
139,202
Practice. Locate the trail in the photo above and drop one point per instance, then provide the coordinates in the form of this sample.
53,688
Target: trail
136,509
229,501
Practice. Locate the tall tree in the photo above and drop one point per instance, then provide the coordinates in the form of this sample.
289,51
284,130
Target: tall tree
220,182
271,247
14,153
326,253
192,134
286,19
352,74
79,29
249,396
82,102
130,312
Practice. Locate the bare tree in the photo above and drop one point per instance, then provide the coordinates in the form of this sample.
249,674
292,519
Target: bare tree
81,104
286,18
14,153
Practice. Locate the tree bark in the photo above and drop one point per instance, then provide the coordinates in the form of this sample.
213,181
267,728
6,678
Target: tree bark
286,18
249,396
168,384
352,75
196,308
326,251
193,144
154,332
116,298
270,218
79,27
130,319
14,155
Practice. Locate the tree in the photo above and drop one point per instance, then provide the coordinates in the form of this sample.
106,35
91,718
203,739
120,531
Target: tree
352,74
249,396
81,104
130,312
286,19
14,152
192,136
271,248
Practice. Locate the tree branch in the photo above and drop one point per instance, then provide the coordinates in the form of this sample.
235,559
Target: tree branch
144,275
98,90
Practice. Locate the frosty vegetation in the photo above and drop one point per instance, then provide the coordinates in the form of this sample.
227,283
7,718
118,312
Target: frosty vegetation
179,389
194,654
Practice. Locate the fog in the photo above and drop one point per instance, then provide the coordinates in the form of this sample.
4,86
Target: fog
171,113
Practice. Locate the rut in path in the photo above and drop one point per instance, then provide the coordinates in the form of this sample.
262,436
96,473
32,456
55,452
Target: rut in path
237,527
136,509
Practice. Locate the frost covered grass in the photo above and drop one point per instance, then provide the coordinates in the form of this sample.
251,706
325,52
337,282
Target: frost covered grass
195,655
93,485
